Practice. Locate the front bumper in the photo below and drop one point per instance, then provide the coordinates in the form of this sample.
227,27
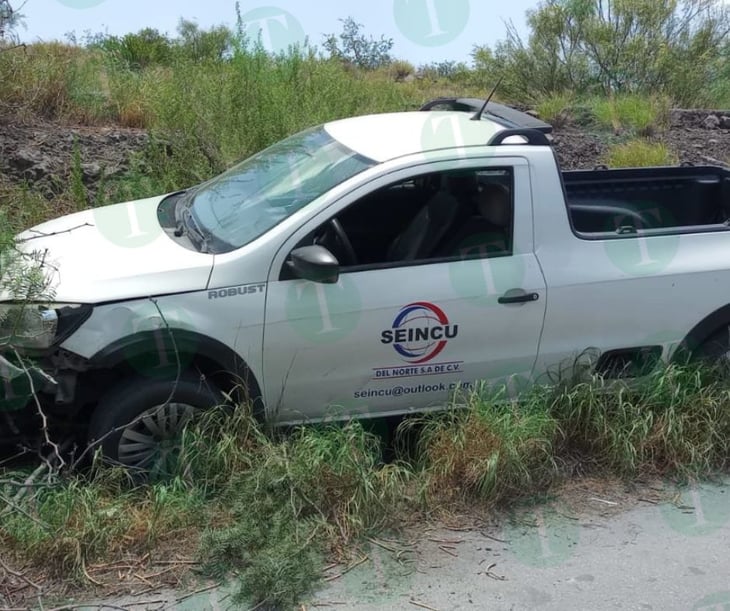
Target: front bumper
18,385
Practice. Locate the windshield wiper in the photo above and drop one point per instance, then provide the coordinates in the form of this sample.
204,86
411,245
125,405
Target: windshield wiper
187,225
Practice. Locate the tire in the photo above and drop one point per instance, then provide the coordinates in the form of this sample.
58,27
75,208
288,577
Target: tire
714,354
138,423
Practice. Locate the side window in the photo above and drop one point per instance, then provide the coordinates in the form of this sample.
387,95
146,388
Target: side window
431,217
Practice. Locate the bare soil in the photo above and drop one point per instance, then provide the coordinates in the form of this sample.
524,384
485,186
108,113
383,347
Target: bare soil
42,155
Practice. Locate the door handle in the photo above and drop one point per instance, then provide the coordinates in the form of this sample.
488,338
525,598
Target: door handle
517,296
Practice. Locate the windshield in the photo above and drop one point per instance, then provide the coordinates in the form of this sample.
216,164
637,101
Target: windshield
257,194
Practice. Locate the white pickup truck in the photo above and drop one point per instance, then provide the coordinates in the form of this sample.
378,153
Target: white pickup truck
367,267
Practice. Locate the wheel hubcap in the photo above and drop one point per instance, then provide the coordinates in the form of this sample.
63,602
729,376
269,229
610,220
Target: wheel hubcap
152,442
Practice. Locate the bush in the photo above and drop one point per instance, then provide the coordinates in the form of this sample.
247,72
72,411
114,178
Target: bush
401,70
611,48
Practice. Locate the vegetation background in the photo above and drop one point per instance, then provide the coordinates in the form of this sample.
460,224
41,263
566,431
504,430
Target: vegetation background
271,508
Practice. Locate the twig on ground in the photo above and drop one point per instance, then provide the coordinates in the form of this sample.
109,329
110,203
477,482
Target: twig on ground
21,576
362,560
597,500
483,534
99,607
446,550
492,575
387,548
89,577
415,603
714,161
191,594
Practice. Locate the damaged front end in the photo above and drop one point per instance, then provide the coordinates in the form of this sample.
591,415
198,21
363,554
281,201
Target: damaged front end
23,387
31,381
20,383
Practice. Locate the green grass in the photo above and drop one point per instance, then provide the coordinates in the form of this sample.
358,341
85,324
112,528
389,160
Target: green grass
556,109
314,490
640,153
272,509
676,421
641,115
84,519
486,450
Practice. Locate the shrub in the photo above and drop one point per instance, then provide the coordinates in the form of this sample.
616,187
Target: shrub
612,48
400,70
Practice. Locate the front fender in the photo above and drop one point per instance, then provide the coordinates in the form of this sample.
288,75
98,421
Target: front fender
165,351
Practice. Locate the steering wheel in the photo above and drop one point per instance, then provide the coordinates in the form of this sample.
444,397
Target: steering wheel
335,227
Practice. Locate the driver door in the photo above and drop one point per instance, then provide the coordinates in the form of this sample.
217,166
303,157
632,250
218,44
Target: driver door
394,336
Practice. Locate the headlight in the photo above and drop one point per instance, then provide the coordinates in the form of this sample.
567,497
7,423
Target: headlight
38,327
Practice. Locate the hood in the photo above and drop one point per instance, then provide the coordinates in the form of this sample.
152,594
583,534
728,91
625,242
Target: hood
114,253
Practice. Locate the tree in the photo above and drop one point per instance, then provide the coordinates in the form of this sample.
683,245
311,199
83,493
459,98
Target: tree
613,46
10,19
204,45
353,47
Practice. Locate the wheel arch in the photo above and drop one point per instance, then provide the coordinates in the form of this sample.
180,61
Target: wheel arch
193,350
702,332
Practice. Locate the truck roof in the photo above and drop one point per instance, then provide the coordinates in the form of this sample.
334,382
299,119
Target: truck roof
383,137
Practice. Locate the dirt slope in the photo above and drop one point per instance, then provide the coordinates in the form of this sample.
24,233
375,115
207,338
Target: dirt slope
43,154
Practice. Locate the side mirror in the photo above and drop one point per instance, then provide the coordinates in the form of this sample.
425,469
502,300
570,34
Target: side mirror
315,263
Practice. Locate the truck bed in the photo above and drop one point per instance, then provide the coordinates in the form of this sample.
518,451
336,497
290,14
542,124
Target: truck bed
652,200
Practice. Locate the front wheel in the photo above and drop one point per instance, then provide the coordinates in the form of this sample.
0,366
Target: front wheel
138,423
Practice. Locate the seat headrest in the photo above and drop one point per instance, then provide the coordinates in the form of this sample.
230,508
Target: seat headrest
495,204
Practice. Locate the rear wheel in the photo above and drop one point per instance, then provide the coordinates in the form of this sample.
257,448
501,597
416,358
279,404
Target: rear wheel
714,353
138,423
